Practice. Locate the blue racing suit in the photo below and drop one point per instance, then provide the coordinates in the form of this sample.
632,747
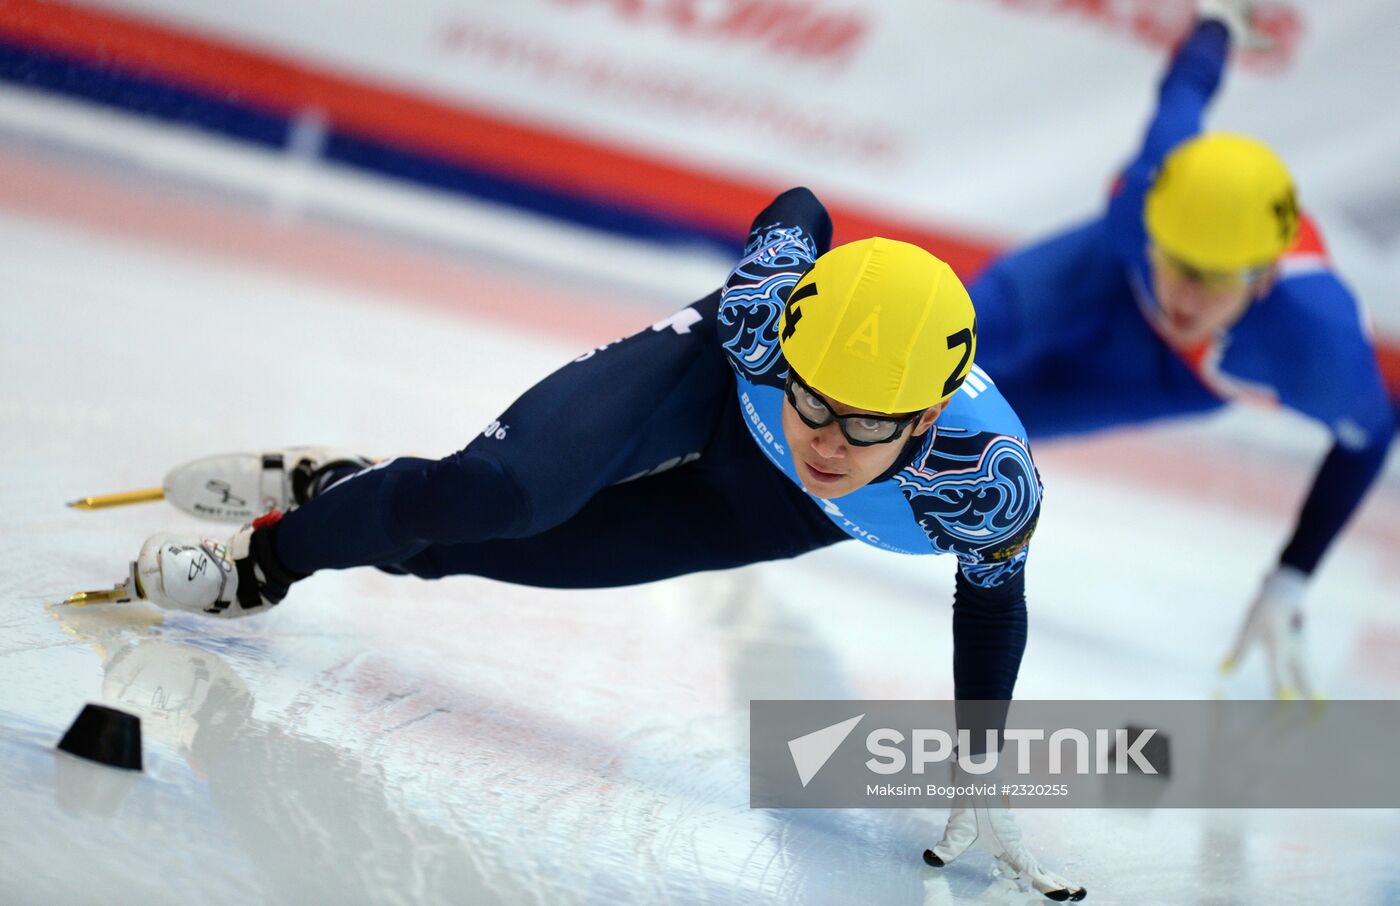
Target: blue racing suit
1066,325
662,454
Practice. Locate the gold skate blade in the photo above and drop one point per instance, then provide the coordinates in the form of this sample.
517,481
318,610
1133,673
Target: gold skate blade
128,589
109,596
125,498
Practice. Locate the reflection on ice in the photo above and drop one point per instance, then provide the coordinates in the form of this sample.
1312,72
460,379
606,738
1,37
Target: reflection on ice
288,801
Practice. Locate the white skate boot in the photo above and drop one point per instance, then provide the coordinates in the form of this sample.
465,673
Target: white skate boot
239,487
203,575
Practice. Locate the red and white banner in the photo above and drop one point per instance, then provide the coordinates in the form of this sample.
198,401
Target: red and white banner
987,119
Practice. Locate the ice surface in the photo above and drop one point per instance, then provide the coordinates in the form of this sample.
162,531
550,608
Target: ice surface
391,740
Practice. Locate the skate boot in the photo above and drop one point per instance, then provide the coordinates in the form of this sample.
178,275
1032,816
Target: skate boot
239,487
232,578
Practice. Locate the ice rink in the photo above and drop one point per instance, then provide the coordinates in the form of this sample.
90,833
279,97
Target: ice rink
391,740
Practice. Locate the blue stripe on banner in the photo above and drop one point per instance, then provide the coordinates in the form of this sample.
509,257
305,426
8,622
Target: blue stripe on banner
141,94
379,157
153,97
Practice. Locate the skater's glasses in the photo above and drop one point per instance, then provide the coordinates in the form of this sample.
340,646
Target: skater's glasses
860,430
1207,279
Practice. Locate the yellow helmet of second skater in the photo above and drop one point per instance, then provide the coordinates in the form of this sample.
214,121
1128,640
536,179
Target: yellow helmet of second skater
1223,202
880,325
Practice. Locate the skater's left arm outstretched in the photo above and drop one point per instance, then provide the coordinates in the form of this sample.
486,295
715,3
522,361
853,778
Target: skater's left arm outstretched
989,638
1336,381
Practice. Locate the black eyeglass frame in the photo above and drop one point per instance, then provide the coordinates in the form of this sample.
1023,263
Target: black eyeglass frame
900,422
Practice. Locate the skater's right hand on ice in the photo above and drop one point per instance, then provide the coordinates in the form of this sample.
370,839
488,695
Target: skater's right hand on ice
1238,17
994,828
987,823
1274,623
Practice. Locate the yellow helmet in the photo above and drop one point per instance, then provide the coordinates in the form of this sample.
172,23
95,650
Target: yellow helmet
1223,202
880,325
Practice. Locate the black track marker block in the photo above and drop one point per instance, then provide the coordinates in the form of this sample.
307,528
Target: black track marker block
106,736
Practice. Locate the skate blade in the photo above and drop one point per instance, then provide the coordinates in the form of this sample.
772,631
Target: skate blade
129,589
118,595
125,498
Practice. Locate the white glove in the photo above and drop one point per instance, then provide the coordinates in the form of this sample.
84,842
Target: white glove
990,825
1275,623
1238,17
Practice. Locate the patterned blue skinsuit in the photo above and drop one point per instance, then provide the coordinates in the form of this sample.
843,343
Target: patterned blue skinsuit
663,454
1066,325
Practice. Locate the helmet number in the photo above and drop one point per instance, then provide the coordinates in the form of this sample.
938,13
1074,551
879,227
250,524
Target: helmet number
962,338
792,314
